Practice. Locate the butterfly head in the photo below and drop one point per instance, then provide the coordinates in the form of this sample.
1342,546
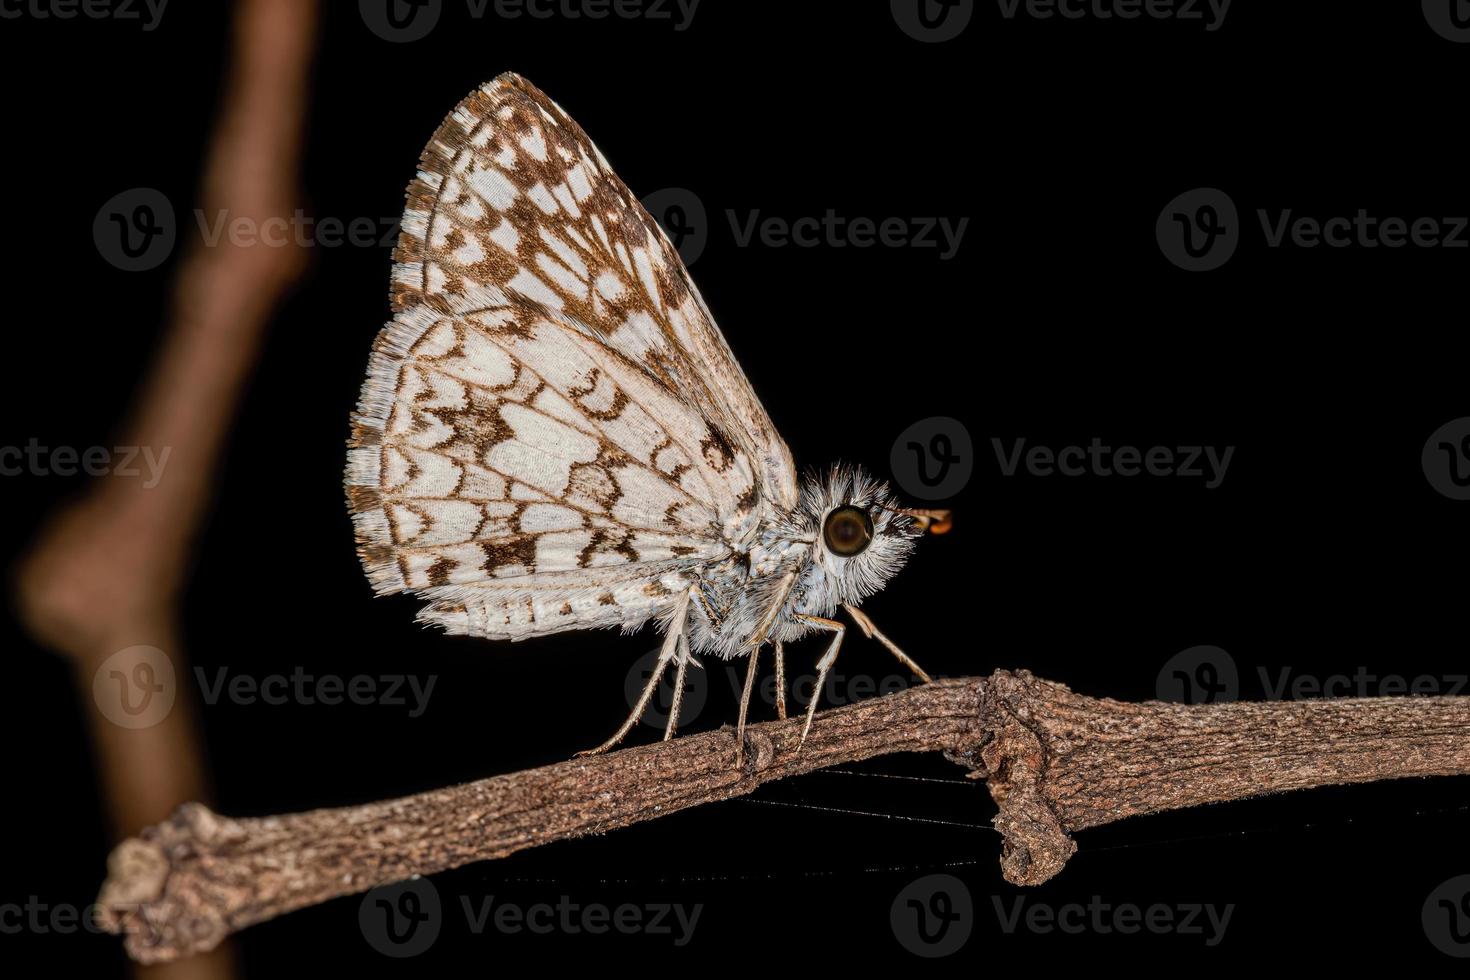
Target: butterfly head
860,536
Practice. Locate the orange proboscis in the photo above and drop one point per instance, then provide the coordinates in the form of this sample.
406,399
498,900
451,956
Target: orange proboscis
933,521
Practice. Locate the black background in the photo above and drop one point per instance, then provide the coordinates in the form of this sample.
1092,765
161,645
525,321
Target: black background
1325,549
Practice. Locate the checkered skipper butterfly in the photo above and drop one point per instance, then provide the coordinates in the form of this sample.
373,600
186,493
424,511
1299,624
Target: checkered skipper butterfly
554,435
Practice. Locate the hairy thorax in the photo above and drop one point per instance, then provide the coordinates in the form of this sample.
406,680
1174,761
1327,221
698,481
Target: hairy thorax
737,600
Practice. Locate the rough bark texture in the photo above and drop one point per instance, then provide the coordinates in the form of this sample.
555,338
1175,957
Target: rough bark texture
1055,762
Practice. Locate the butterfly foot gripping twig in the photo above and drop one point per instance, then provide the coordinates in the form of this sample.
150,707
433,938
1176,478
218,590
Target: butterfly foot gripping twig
675,649
682,660
780,681
823,667
750,672
750,667
830,657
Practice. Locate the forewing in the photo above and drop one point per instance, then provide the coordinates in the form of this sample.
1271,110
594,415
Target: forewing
513,204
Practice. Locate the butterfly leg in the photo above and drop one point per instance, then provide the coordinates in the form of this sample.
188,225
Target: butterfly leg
682,660
873,633
673,645
823,666
780,681
745,706
758,638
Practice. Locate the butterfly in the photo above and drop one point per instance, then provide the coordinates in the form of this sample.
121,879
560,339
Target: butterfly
554,435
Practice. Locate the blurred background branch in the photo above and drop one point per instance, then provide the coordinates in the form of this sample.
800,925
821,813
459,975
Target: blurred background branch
106,572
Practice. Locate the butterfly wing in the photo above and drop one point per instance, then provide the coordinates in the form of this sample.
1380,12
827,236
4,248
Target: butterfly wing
553,433
514,203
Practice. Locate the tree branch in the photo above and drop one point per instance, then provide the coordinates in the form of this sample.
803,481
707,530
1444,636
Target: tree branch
1054,761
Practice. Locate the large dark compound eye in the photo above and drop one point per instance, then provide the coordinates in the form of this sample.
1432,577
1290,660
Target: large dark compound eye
848,531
